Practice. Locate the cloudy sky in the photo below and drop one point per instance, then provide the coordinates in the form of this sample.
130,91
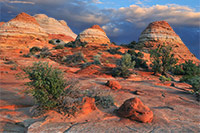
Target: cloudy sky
123,20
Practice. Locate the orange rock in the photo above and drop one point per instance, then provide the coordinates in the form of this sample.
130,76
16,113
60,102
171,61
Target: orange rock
88,105
134,109
113,85
1,23
161,33
93,35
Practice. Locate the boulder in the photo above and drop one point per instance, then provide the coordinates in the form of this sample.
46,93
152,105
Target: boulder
134,109
115,85
88,105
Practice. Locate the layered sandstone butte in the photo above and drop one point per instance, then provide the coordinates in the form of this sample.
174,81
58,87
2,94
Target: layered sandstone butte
94,34
55,28
1,23
21,31
161,33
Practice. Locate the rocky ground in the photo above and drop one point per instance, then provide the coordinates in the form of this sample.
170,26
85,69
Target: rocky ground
174,109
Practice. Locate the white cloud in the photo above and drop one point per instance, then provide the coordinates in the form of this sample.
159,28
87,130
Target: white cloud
21,2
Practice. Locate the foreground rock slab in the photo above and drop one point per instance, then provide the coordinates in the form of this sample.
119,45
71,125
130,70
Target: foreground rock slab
134,109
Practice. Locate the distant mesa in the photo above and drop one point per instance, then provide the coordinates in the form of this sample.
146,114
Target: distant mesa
161,33
94,34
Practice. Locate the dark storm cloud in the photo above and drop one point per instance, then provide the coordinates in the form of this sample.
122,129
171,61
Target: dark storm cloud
121,25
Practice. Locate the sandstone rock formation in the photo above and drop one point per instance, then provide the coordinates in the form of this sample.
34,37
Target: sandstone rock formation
88,105
53,26
113,85
94,34
21,31
160,32
1,23
134,109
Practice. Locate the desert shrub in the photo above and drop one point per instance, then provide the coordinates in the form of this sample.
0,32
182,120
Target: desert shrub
162,59
135,45
75,44
104,101
75,58
26,55
102,97
33,50
9,62
44,53
104,44
123,66
191,68
46,84
163,78
96,61
59,46
177,70
114,50
137,57
121,72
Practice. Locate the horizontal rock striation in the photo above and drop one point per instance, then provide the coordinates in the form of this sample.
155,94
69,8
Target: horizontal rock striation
161,33
94,34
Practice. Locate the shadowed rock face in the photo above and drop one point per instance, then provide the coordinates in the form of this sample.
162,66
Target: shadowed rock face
161,33
53,26
94,34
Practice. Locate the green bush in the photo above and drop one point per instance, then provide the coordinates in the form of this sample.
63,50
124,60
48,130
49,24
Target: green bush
114,50
191,68
137,57
75,58
60,46
135,45
162,59
163,78
75,44
177,70
26,55
123,66
45,53
46,84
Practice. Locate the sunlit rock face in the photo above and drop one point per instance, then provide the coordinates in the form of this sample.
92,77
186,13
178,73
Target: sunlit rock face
161,33
94,34
23,29
53,26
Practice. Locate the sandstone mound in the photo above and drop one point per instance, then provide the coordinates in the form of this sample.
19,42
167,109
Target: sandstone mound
115,85
1,23
23,29
94,34
159,33
134,109
53,26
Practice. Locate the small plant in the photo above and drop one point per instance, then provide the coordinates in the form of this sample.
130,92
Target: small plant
162,59
114,50
26,55
102,97
45,53
177,70
76,43
164,79
9,62
123,66
59,46
75,58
